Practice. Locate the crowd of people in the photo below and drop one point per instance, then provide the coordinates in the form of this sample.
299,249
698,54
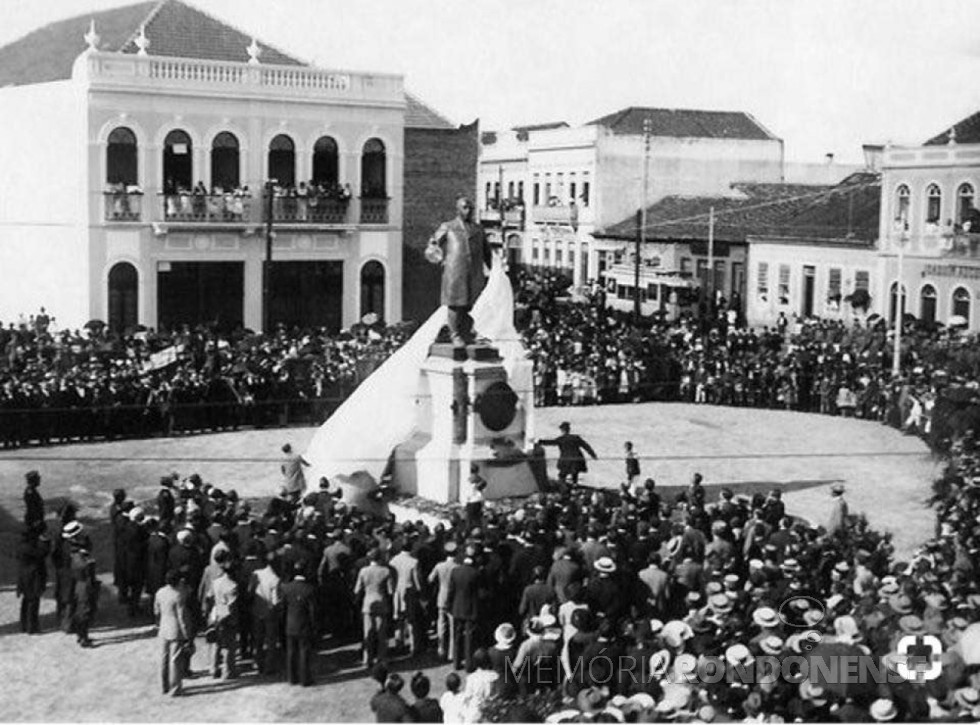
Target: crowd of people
586,354
582,605
57,386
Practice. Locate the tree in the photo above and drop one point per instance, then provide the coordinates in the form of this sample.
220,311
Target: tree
860,299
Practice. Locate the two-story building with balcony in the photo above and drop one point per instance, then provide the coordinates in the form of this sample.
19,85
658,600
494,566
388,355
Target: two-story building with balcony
166,169
577,181
930,227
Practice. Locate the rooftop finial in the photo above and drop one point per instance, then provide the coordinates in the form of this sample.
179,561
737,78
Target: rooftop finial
952,135
254,51
142,42
91,37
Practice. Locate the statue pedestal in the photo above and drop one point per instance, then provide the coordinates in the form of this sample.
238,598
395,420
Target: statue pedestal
468,415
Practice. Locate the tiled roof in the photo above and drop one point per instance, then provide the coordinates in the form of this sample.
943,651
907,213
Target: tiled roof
47,54
419,115
967,131
174,29
682,123
847,211
178,30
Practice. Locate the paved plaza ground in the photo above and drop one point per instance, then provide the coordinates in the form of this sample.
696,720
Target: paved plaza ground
47,677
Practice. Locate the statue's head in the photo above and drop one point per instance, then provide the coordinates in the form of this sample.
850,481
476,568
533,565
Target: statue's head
464,208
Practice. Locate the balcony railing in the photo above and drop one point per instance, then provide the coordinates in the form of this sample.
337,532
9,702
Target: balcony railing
310,210
207,208
512,217
962,245
556,215
122,206
374,211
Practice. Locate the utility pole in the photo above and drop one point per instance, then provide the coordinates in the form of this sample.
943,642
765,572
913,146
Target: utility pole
641,231
267,267
899,308
710,281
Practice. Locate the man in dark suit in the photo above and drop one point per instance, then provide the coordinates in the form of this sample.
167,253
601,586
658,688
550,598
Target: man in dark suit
33,503
571,460
460,246
464,585
299,598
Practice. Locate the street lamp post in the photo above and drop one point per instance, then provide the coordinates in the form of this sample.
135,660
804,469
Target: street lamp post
899,306
267,267
641,232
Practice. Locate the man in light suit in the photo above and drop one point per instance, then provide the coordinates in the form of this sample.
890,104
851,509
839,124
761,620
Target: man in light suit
376,582
170,608
461,247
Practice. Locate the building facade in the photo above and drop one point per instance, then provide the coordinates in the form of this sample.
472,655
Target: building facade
562,186
929,214
192,175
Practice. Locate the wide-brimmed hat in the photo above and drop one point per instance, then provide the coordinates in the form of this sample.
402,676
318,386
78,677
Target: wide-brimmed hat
846,629
720,604
911,624
967,697
812,617
765,617
738,655
675,632
605,565
883,710
814,693
771,645
900,603
590,699
505,635
837,488
71,529
888,589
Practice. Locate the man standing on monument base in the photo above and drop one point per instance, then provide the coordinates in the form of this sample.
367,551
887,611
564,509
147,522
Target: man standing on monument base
461,247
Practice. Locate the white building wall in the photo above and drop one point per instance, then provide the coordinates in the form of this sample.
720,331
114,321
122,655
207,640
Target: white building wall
43,260
764,307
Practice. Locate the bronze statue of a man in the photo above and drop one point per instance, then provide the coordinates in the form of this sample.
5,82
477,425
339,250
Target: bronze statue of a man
461,247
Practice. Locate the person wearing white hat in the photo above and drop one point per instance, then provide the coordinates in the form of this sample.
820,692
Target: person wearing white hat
883,710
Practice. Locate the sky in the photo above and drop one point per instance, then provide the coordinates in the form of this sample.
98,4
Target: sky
826,76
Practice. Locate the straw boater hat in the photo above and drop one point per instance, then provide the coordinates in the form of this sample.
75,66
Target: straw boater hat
814,693
765,617
738,655
505,635
72,529
883,710
771,645
605,565
967,697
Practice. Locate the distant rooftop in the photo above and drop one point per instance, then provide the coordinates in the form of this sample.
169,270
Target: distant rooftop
847,211
681,123
174,29
967,131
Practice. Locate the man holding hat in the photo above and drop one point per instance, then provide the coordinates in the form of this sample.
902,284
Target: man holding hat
571,461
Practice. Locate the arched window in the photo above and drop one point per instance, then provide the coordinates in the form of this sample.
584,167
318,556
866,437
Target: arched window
893,293
961,303
178,165
902,197
225,173
964,202
373,172
282,160
927,304
373,289
121,165
934,203
123,297
325,157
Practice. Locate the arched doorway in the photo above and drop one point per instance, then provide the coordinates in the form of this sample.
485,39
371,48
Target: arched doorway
961,304
373,289
121,158
282,160
123,297
178,167
927,304
374,184
325,158
225,173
